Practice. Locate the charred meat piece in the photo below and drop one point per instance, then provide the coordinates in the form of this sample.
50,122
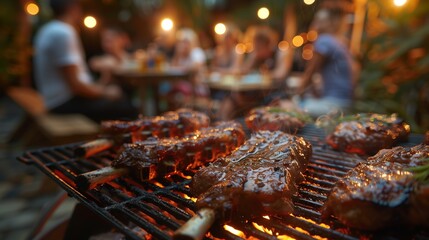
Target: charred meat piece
261,175
159,157
383,191
276,118
368,133
170,124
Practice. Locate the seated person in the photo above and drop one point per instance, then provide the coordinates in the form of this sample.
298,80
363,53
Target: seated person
188,56
267,60
332,59
62,76
226,60
114,42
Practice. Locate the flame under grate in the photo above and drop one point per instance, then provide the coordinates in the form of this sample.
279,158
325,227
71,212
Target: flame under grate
156,209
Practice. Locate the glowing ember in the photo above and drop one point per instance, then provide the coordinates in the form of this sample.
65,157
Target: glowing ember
320,238
234,231
184,176
262,228
284,237
158,184
311,221
302,230
190,198
266,217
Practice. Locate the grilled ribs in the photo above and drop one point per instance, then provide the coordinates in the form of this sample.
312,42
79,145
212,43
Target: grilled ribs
368,133
276,118
382,192
159,157
170,124
260,176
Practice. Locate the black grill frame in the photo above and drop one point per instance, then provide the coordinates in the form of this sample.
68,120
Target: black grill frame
160,209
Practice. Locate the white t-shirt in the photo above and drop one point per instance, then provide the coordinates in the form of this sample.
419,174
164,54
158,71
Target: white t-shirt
56,45
198,55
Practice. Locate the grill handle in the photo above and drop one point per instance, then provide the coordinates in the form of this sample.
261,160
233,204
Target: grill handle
196,227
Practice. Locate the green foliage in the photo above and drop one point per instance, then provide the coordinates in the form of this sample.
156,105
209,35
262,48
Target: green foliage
395,66
293,113
421,173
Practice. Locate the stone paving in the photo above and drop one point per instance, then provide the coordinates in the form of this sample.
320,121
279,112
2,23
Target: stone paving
24,190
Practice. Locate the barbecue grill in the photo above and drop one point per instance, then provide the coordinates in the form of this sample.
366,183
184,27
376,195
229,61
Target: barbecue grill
155,209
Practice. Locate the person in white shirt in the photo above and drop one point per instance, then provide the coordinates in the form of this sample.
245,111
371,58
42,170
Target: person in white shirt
190,57
61,73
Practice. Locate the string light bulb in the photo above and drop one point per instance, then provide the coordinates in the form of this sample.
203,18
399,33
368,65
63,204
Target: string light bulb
90,22
399,3
263,13
32,9
167,24
220,28
309,2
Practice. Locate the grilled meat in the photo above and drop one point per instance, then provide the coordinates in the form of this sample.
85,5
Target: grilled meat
383,191
367,134
275,118
170,124
158,157
260,176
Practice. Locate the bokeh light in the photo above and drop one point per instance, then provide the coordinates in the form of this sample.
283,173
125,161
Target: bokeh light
240,48
167,24
307,54
399,3
32,9
309,2
263,13
312,36
90,22
297,41
220,28
283,46
308,47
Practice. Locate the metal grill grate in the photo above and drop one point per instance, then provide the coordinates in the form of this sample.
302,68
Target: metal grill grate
157,208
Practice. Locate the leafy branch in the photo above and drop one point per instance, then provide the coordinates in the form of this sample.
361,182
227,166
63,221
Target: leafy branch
293,113
421,173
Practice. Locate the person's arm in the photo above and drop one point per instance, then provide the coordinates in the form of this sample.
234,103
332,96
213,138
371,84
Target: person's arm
236,64
283,66
313,66
79,88
105,65
248,64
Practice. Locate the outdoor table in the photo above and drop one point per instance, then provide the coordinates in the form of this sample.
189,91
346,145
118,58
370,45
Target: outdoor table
240,83
150,80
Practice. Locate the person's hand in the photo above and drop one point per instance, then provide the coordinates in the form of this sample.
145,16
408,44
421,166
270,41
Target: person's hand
112,92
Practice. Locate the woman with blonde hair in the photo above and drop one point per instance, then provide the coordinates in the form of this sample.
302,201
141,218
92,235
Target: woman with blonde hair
188,56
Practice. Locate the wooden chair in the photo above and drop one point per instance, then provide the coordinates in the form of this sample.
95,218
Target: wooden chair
56,129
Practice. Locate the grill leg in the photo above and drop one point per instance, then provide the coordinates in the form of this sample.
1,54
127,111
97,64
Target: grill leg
46,213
